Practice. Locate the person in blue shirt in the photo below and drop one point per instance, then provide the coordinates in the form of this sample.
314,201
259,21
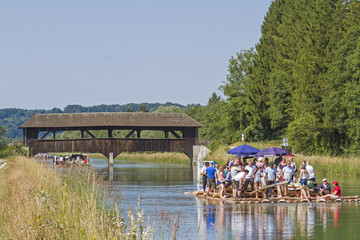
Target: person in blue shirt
211,176
270,176
287,175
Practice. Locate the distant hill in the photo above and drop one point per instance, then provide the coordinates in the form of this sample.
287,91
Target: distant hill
12,118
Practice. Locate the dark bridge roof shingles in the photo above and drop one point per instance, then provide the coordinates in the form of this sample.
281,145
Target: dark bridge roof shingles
110,120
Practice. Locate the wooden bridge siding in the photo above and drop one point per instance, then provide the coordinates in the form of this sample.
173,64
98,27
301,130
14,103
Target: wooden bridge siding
115,145
107,145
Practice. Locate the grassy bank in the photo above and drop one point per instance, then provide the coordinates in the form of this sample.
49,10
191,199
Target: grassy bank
341,166
38,202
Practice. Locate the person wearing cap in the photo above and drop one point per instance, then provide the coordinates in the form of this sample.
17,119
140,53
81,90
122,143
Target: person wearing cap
336,193
260,164
324,188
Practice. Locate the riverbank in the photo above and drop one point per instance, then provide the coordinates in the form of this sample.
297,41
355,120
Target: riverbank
338,166
43,203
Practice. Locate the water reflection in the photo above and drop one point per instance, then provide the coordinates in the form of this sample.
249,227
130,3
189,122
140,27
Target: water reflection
162,186
263,221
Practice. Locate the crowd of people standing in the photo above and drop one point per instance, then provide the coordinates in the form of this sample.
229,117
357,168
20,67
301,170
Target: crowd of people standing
260,173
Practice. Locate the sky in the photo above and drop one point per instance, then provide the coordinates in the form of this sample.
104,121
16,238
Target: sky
90,52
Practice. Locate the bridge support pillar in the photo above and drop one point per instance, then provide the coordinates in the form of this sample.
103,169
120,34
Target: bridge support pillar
111,166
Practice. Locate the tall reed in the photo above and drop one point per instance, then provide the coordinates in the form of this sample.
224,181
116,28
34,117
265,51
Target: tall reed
38,202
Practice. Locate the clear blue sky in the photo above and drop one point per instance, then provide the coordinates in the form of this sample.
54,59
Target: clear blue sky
90,52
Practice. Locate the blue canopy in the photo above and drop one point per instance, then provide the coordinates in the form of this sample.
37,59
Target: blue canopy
244,151
272,152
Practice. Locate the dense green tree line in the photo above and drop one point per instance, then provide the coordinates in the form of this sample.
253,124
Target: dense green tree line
301,80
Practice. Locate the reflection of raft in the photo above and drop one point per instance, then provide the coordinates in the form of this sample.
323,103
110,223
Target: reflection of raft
248,199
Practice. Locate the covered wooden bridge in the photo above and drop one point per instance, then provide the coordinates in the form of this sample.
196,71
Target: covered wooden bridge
180,133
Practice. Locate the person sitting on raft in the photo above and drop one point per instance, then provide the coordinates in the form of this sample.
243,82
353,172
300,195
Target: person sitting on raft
336,194
324,188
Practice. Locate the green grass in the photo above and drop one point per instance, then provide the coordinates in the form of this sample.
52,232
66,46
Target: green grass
42,203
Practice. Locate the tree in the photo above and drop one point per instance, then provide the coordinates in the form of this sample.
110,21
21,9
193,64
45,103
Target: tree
168,109
2,137
234,88
143,108
128,109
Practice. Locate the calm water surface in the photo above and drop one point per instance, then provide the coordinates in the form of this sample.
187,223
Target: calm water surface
161,187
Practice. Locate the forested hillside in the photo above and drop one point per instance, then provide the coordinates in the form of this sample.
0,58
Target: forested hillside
301,80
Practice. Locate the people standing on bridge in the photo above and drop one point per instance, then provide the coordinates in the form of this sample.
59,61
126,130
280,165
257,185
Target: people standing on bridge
204,175
211,176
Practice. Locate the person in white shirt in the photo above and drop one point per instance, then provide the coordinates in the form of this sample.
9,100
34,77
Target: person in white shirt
249,177
311,172
204,175
239,181
234,171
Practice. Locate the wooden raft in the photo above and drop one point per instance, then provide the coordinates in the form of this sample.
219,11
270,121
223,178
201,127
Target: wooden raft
249,199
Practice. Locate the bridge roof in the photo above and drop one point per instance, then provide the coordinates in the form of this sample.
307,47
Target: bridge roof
110,120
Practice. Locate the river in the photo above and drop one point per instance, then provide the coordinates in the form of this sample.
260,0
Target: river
161,187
